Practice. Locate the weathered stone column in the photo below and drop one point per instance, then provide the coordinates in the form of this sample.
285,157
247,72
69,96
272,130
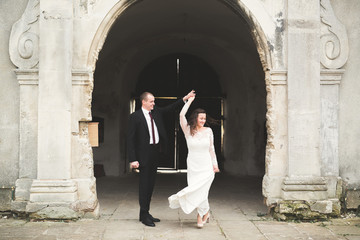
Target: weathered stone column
53,192
276,149
28,81
304,181
329,137
24,53
334,55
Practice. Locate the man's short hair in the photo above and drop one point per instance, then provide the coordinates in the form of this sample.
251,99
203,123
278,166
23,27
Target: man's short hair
144,96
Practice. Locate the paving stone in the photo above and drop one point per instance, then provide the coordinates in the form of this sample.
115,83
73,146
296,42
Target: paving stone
345,230
122,234
352,238
273,227
311,229
233,217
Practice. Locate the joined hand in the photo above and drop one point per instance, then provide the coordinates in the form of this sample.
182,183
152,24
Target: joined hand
189,95
134,164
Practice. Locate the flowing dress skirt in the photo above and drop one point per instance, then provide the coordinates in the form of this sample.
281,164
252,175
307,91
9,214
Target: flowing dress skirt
200,176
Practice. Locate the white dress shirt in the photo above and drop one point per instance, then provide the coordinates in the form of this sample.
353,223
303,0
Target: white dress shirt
148,121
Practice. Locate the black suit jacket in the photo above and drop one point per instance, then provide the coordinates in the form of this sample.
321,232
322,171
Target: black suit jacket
138,137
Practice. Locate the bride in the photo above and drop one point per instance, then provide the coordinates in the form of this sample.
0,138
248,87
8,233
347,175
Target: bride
201,163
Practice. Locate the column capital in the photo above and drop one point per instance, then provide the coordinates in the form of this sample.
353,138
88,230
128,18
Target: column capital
27,76
278,77
331,76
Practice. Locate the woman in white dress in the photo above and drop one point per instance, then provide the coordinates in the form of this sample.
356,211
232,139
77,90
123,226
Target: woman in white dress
201,165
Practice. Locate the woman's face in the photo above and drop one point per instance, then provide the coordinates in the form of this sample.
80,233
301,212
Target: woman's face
201,119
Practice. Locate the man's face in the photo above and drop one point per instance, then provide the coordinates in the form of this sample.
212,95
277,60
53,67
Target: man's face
149,102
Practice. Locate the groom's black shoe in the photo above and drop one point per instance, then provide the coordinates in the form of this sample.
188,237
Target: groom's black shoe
148,222
154,219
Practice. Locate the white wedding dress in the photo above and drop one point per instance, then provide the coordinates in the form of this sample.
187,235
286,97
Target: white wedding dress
200,174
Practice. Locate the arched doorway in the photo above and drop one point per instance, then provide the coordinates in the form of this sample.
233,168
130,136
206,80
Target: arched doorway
149,30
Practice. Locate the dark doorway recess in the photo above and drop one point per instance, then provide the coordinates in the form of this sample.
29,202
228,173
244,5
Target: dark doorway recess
170,77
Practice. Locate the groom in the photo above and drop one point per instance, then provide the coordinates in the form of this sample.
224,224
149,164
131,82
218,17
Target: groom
146,138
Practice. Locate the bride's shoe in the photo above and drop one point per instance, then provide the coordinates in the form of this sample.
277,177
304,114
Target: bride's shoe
207,218
201,223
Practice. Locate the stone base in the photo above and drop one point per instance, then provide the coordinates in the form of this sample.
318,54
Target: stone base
352,199
22,195
5,198
22,189
19,206
56,199
53,191
52,199
304,188
307,210
51,211
271,189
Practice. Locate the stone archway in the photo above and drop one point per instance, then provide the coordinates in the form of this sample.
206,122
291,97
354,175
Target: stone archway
274,81
293,142
75,162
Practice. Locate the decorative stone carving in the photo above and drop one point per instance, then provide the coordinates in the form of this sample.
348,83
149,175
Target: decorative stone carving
334,41
24,39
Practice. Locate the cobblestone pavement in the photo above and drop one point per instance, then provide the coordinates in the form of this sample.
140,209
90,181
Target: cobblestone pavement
237,212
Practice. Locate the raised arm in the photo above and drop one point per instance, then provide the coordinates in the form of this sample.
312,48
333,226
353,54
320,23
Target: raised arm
183,121
178,103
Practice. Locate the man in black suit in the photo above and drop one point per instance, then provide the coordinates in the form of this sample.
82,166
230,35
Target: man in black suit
146,138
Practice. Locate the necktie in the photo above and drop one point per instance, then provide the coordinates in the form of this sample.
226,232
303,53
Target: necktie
152,127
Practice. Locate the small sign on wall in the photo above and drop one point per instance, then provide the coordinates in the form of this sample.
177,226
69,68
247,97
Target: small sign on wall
93,128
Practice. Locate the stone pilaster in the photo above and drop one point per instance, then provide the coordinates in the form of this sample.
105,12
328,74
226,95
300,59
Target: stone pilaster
54,184
82,170
304,180
24,53
329,134
28,81
276,149
334,55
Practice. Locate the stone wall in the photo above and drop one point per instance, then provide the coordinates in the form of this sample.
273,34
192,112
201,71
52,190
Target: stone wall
10,12
349,114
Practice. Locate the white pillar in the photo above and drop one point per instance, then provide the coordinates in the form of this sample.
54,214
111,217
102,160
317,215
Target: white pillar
276,149
329,138
54,182
304,181
28,84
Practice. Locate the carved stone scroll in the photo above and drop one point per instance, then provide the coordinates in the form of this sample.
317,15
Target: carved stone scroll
24,39
334,40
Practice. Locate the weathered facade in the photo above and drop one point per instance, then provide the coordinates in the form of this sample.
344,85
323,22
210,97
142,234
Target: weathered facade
289,78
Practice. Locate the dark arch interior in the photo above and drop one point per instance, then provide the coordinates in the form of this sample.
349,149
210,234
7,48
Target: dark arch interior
176,74
172,76
146,39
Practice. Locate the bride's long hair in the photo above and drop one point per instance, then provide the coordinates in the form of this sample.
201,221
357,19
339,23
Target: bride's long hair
193,120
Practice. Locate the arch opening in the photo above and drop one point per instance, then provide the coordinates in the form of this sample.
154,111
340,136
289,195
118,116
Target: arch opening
208,30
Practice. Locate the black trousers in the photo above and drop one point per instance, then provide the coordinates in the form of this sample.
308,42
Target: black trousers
147,180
